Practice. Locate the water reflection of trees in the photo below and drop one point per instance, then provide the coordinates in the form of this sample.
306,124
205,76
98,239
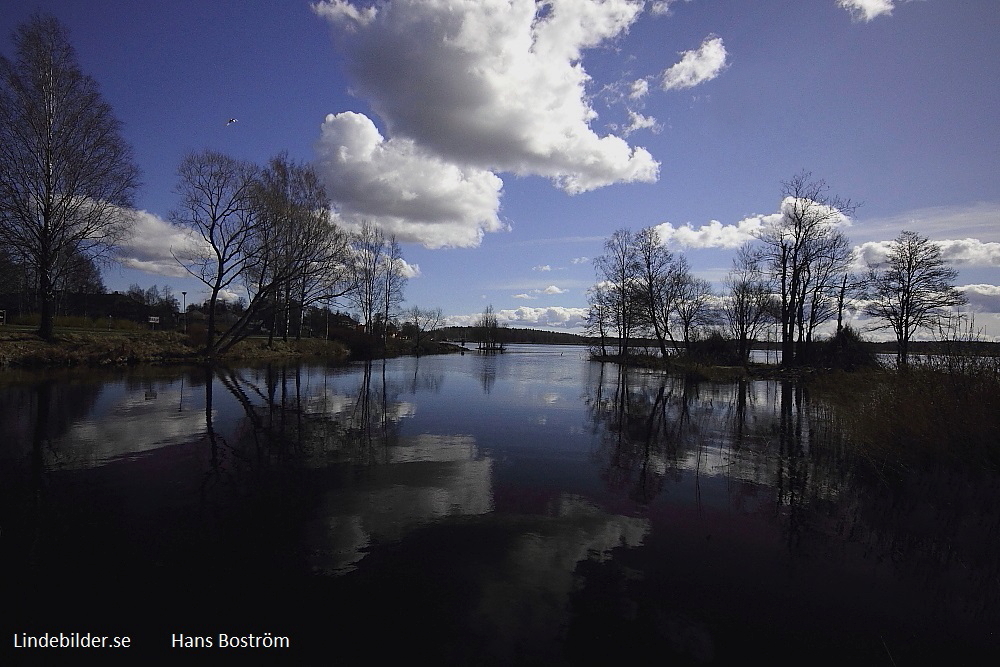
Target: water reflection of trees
647,424
31,421
488,371
294,412
37,414
782,457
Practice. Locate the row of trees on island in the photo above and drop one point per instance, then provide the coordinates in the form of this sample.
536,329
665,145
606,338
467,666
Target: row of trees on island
797,274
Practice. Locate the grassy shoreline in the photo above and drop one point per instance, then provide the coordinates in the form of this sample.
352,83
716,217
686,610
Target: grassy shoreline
69,348
924,414
943,410
74,348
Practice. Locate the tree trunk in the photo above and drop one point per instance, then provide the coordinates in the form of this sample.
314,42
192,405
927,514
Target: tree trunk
46,327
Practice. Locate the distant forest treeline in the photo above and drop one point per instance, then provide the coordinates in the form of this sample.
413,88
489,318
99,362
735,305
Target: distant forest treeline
506,335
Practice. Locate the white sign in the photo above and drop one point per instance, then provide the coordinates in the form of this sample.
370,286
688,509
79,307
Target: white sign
154,320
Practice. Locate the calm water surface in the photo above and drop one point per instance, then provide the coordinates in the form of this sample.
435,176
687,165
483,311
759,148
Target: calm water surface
525,508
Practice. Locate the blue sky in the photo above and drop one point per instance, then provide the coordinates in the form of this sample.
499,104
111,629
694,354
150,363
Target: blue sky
504,140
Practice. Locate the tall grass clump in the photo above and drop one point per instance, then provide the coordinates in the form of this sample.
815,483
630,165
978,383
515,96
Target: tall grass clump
945,407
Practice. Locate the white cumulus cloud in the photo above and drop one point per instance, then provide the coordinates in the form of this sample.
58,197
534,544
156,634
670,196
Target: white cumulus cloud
662,7
711,235
638,89
343,12
553,316
714,234
483,86
406,269
697,66
551,289
150,247
405,189
637,121
971,252
866,10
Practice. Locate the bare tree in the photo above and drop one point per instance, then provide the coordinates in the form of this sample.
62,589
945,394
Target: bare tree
393,279
67,176
378,276
599,322
618,269
805,254
822,285
368,254
302,255
218,209
694,307
853,286
748,302
912,290
488,331
655,284
424,321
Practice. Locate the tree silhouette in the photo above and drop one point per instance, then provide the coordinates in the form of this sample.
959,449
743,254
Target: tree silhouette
66,174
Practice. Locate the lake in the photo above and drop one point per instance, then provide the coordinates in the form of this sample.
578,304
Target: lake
530,507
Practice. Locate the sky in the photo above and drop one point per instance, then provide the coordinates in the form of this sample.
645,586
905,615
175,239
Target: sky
502,141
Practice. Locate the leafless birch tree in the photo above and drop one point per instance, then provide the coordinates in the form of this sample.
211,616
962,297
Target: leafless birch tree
67,176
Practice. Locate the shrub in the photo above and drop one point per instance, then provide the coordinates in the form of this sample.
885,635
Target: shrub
714,349
197,335
846,350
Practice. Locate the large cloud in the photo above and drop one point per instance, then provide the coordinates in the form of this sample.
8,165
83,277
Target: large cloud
485,86
409,191
697,66
150,247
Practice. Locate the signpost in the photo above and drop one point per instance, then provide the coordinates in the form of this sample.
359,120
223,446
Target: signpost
153,321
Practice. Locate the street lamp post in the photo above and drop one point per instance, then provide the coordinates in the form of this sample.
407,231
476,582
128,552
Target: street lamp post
184,310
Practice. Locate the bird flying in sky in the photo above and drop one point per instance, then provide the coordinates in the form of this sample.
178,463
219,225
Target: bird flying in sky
231,121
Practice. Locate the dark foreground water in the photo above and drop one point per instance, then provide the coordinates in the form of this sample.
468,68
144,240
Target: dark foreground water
524,508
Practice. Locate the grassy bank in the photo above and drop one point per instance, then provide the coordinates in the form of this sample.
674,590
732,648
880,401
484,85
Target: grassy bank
75,348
